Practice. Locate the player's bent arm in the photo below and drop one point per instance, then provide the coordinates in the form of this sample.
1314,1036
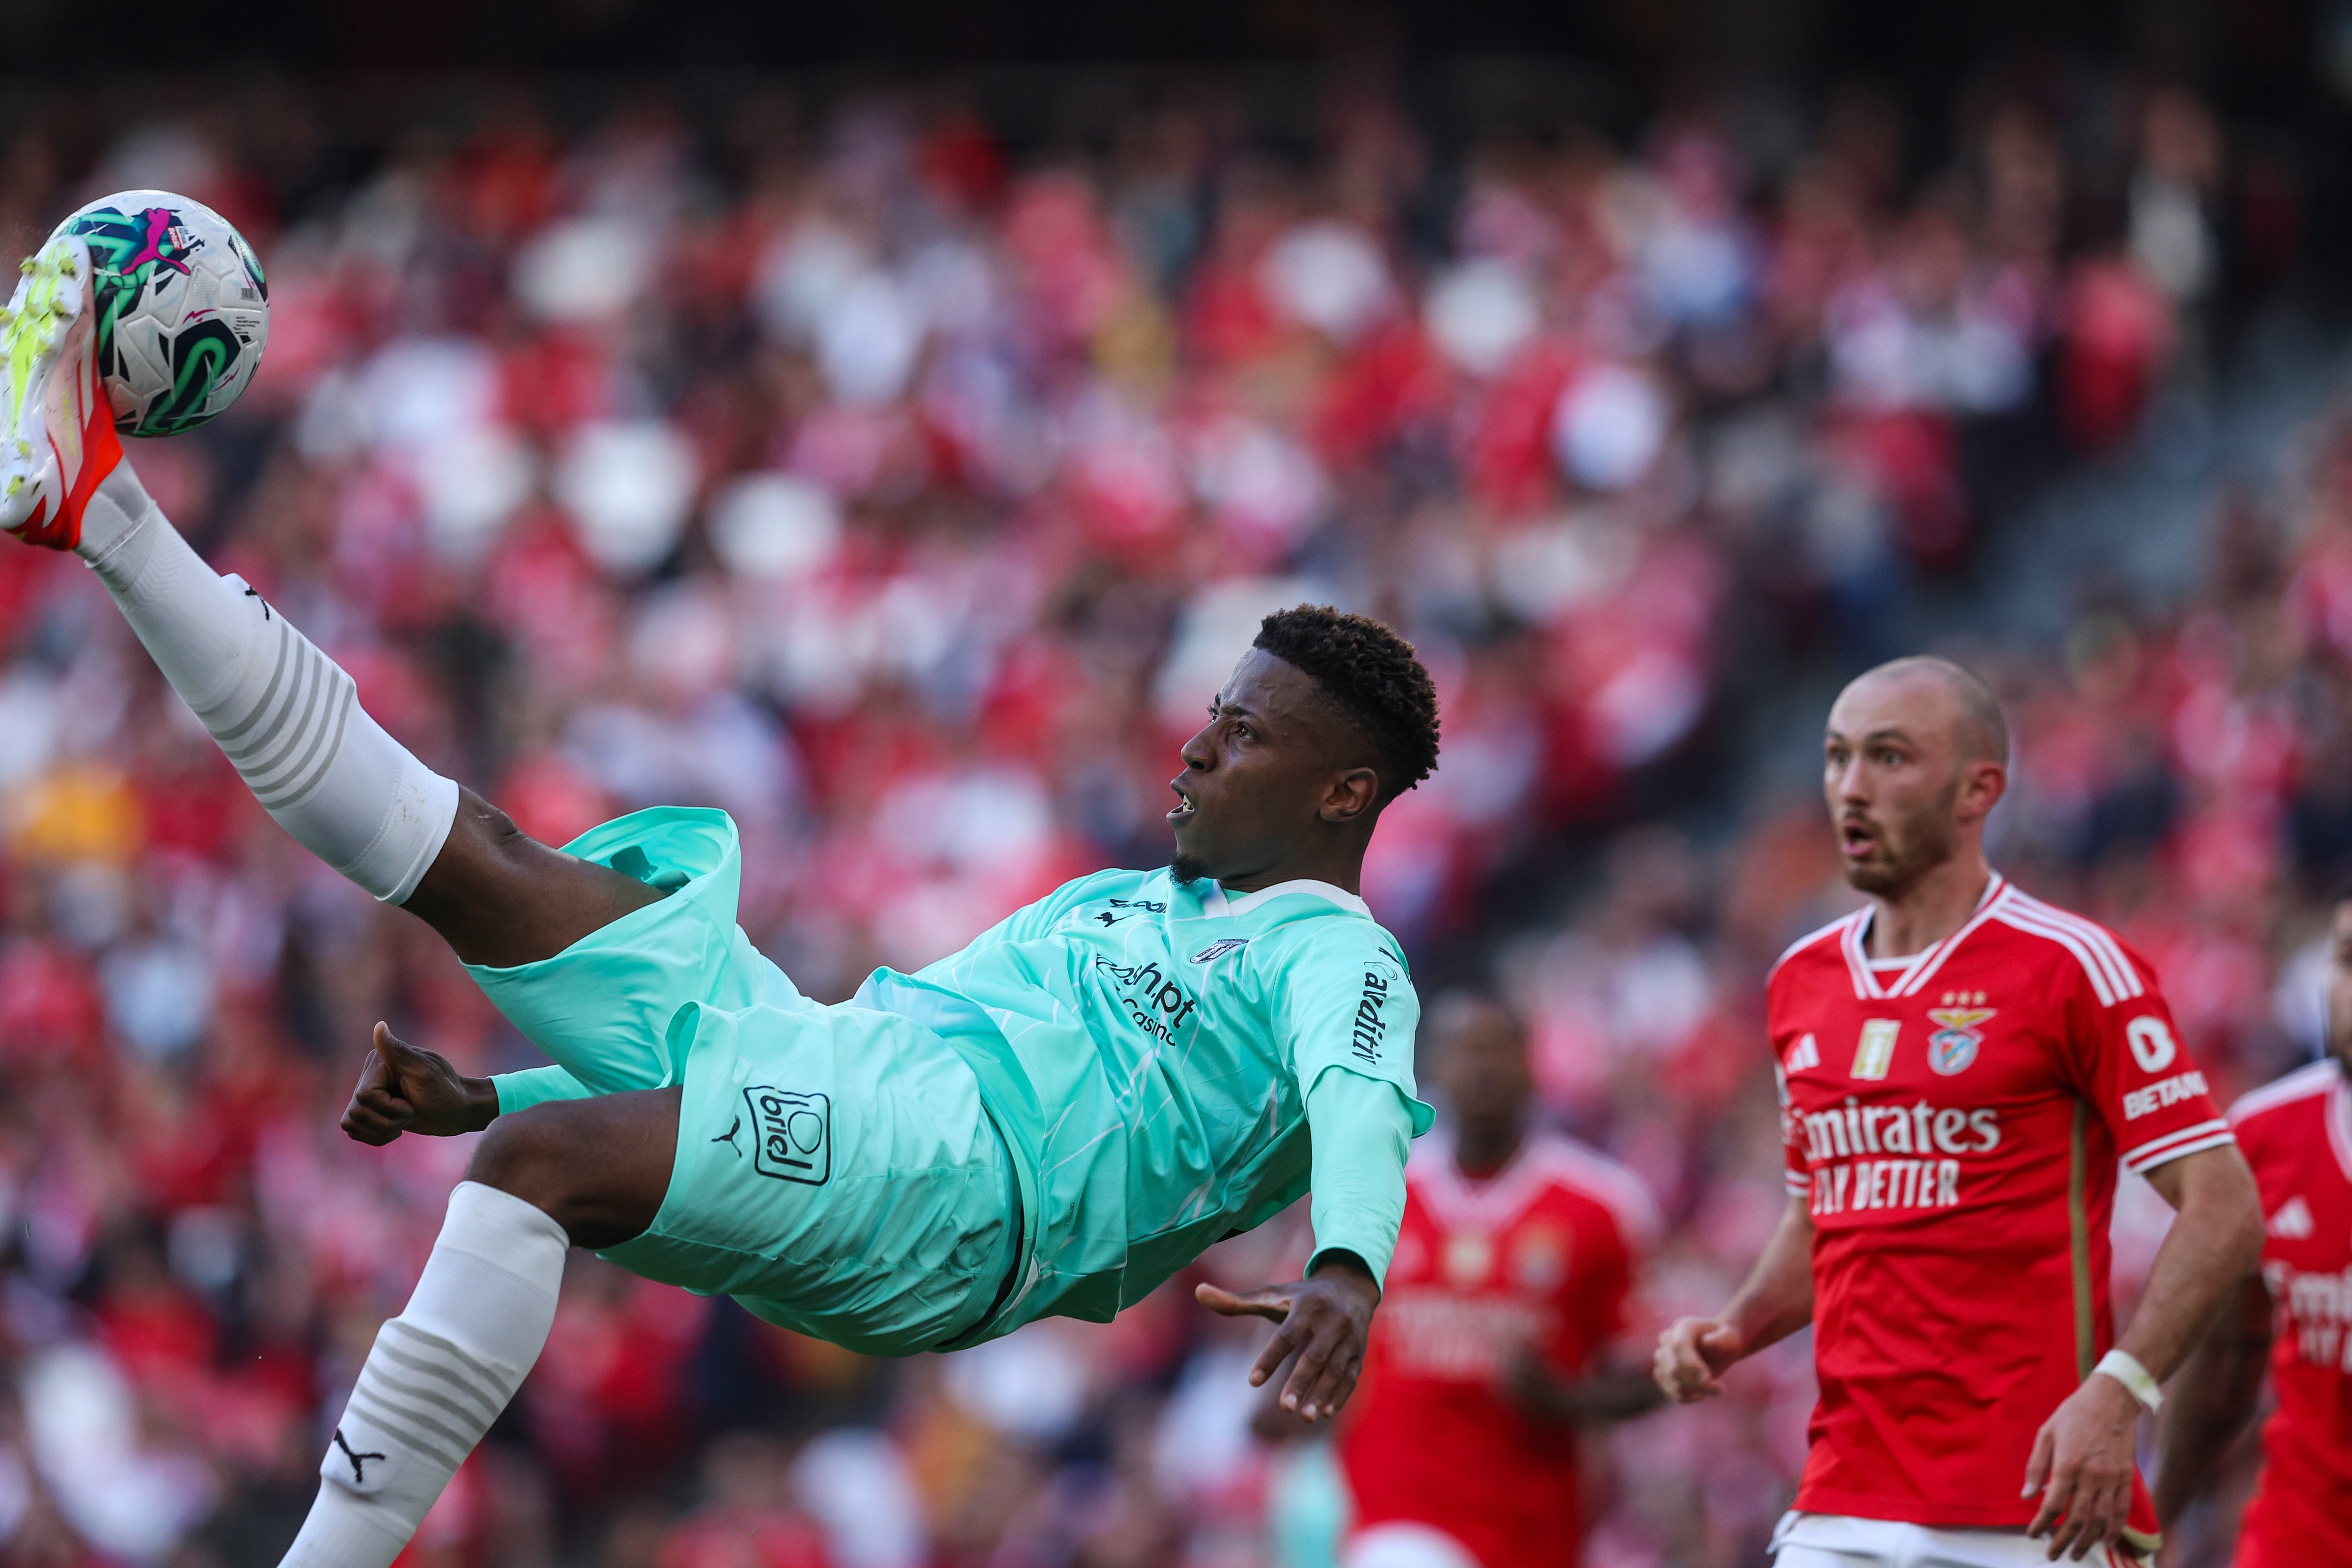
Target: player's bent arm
2082,1463
1776,1301
1361,1129
2216,1241
2211,1398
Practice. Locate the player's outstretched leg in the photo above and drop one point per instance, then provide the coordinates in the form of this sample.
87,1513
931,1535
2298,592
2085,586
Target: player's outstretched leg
284,713
290,721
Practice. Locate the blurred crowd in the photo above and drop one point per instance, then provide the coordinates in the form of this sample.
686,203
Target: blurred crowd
908,493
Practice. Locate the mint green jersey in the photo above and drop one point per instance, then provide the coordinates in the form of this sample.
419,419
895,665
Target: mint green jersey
1146,1048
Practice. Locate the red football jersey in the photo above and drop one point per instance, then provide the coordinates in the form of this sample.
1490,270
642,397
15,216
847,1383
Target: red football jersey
1955,1117
2297,1133
1542,1255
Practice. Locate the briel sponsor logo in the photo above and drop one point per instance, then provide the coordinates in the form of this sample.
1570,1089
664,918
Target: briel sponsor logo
1127,909
793,1135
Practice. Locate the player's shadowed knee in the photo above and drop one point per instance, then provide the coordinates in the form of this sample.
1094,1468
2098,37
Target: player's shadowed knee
599,1168
500,898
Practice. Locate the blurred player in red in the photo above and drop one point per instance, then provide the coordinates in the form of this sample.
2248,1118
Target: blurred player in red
2297,1134
1963,1068
1515,1270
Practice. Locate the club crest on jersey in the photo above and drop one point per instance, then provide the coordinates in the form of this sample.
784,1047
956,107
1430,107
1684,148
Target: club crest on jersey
1953,1046
1219,948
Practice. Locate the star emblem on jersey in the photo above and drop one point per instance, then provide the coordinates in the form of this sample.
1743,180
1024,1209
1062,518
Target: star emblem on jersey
1953,1046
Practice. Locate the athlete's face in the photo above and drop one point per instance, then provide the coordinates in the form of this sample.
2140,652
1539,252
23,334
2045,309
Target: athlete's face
2339,985
1482,1071
1260,780
1899,790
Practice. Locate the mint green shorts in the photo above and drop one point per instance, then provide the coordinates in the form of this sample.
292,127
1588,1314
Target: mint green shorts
837,1171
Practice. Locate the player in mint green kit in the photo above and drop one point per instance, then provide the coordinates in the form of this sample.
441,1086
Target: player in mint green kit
1052,1120
1172,1028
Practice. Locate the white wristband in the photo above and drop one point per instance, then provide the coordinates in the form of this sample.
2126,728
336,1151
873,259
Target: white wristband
2126,1369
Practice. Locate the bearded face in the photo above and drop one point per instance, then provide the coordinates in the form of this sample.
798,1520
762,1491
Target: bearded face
1888,845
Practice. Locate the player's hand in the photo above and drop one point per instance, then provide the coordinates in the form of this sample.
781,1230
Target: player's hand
2082,1467
1692,1356
1326,1320
405,1089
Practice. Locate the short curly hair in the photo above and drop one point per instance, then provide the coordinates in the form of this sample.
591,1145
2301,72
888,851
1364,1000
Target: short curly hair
1372,676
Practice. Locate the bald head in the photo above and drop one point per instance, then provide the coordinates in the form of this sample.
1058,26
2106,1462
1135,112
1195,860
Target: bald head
1977,729
1916,757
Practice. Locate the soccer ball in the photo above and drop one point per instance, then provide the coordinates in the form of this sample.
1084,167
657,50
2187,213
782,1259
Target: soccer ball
182,310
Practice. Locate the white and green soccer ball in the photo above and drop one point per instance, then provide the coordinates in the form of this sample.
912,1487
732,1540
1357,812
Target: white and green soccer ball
183,309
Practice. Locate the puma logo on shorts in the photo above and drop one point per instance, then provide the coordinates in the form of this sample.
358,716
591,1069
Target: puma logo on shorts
793,1138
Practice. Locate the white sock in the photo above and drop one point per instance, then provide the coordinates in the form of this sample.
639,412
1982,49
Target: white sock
285,714
439,1374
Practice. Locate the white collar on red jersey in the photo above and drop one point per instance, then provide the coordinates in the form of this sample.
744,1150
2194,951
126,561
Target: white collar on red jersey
1487,1205
1542,1158
1922,965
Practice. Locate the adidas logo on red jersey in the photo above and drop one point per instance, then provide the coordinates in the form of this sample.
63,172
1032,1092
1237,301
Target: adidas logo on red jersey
2292,1222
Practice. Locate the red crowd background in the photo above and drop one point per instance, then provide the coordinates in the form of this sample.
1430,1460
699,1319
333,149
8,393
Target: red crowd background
905,485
